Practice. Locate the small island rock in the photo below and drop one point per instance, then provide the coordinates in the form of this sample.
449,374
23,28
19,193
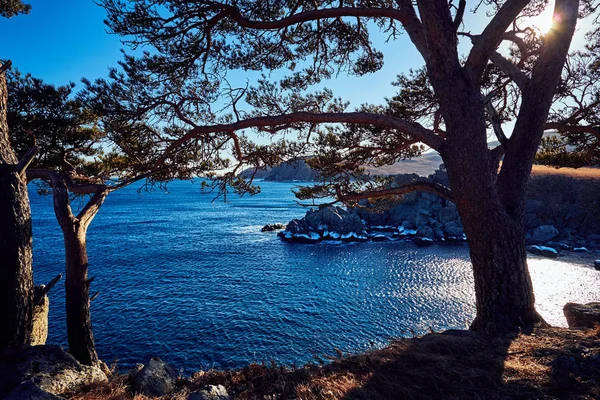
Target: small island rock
272,227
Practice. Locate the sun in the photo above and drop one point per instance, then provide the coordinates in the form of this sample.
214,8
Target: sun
545,21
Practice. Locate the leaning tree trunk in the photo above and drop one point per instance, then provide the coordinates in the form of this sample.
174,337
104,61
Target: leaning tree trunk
77,284
16,276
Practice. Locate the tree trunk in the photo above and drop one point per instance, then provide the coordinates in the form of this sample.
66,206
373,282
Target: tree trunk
16,275
79,322
504,293
74,228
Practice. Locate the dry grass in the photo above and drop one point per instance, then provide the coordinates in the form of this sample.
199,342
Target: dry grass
551,363
579,173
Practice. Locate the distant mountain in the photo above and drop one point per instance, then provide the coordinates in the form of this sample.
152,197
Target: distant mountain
296,170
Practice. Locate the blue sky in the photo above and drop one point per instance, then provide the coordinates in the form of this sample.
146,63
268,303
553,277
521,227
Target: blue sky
64,41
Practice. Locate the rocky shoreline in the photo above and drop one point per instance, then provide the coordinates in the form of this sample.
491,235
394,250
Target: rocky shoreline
427,218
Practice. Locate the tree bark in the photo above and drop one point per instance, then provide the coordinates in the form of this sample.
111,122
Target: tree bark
79,322
16,275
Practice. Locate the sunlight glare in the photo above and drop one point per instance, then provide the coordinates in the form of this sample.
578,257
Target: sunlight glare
545,21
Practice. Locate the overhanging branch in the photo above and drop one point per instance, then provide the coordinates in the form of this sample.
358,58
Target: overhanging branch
416,130
424,185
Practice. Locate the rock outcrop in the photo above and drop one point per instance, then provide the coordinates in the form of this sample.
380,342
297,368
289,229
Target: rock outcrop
558,227
48,368
582,315
156,378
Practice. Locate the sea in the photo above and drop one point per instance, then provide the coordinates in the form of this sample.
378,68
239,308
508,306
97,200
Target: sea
193,280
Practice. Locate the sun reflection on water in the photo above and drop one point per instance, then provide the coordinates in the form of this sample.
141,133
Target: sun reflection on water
557,282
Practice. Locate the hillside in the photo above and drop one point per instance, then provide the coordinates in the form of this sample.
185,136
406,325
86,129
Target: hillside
290,171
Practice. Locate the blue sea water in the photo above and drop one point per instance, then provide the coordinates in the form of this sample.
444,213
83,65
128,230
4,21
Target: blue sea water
195,282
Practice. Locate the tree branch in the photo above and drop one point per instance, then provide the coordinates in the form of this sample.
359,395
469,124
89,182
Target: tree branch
486,44
416,130
236,15
424,185
91,208
511,70
564,128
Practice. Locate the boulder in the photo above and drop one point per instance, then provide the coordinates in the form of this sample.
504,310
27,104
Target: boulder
29,391
49,368
543,233
272,227
582,315
543,251
454,229
157,378
210,392
448,213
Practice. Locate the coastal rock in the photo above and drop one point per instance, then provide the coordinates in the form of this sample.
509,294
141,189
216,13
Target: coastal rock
329,222
454,229
582,315
210,392
543,233
272,227
29,391
423,241
49,368
157,378
543,251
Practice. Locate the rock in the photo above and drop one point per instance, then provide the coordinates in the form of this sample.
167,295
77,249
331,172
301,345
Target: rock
597,264
134,371
157,378
423,241
29,391
580,249
543,233
448,213
49,368
210,392
582,315
272,227
565,363
454,229
425,232
543,251
40,322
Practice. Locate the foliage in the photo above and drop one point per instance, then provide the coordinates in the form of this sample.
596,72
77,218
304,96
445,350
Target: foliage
554,152
11,8
53,119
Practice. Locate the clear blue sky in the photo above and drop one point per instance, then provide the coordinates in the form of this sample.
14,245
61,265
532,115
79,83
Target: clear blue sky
60,41
64,41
